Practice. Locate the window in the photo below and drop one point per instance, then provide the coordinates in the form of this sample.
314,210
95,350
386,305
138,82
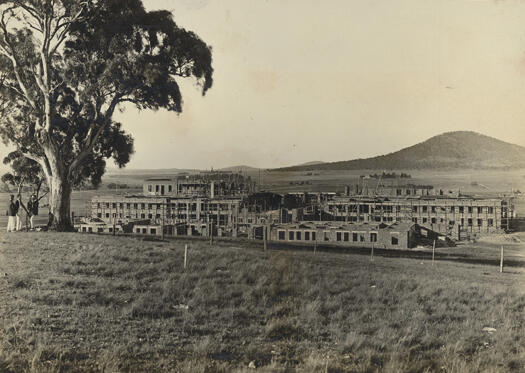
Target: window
480,210
142,206
156,188
452,208
114,205
313,236
327,236
99,215
414,208
470,209
470,222
490,222
433,220
346,236
290,236
490,210
150,188
298,236
433,208
83,229
354,237
150,206
414,220
338,236
107,205
307,236
153,231
425,208
150,216
373,237
461,209
121,205
451,222
480,222
144,230
157,216
170,188
107,214
361,237
424,220
394,240
98,205
100,230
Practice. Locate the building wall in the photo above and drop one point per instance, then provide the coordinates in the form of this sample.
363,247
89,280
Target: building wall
388,238
450,216
222,212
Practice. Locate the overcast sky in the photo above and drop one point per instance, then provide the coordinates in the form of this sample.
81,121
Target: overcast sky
304,80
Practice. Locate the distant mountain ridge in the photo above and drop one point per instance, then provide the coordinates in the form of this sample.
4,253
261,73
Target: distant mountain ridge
450,150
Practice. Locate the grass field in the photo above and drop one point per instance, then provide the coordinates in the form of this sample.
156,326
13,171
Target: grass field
74,302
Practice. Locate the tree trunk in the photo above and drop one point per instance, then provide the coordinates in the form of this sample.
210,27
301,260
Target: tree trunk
59,204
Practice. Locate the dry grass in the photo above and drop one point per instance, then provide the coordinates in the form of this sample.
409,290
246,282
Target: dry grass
74,302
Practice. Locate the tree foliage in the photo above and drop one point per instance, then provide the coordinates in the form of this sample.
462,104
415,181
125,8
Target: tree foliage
67,65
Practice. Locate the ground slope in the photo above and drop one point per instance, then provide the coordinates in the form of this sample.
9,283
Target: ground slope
87,303
451,150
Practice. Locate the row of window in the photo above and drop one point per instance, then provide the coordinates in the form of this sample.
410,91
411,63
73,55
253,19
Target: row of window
99,229
223,219
160,188
340,236
145,230
423,209
173,206
470,221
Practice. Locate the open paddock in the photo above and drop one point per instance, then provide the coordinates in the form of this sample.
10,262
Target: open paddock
75,302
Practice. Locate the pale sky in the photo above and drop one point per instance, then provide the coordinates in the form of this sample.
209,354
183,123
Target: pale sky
304,80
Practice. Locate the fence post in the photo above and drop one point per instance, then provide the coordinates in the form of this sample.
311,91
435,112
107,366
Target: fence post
265,243
433,251
185,255
501,261
372,253
211,233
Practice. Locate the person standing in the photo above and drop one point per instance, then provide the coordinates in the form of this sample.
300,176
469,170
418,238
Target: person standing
11,214
32,208
18,213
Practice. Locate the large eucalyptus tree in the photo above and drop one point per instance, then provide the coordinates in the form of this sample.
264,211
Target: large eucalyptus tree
67,65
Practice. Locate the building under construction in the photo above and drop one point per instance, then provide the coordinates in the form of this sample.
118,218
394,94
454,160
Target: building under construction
222,205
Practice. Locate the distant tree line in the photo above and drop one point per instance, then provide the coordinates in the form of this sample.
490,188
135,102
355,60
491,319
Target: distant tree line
392,175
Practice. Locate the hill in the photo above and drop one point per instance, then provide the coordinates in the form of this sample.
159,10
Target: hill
312,163
450,150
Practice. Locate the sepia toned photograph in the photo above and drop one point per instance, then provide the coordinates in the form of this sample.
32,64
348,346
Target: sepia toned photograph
204,186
